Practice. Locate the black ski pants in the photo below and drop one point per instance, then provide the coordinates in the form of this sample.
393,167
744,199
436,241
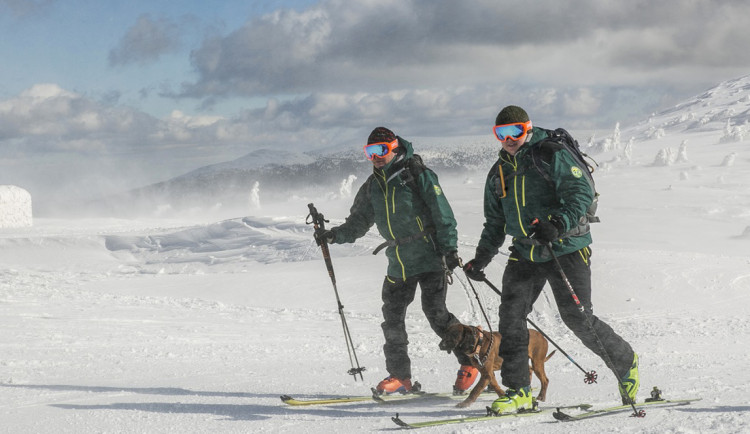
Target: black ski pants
523,281
397,294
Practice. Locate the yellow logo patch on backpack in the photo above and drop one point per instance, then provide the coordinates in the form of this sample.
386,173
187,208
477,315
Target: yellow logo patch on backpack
438,190
576,171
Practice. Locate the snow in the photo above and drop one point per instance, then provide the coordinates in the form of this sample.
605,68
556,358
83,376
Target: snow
199,324
15,207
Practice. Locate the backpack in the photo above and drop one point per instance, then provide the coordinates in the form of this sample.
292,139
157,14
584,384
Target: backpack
541,155
412,169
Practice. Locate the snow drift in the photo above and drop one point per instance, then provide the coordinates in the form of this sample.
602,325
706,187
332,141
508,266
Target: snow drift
15,207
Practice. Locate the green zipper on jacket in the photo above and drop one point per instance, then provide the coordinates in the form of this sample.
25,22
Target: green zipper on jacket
388,218
522,202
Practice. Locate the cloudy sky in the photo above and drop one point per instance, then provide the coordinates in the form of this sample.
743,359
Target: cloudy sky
146,90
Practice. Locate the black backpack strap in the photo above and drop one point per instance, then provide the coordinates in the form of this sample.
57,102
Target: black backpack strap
543,151
413,167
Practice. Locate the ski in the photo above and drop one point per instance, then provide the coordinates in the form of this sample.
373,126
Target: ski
559,415
384,399
470,419
375,397
286,399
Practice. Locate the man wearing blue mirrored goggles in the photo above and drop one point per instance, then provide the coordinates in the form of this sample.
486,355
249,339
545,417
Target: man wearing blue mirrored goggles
538,195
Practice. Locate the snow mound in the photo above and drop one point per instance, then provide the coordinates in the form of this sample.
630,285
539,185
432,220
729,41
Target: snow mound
248,239
15,207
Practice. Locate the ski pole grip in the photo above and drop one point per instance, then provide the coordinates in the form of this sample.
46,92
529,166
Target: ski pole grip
317,218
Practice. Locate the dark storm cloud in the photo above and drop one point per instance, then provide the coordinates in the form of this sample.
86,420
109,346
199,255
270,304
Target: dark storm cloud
379,46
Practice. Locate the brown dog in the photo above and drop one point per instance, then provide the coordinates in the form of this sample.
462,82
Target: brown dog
482,348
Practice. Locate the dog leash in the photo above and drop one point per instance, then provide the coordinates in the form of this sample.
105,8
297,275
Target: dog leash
481,308
476,357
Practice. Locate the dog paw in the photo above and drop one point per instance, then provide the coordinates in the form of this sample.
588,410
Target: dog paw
463,404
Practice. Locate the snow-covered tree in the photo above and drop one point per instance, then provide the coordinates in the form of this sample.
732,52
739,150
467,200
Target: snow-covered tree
616,137
255,196
733,133
627,153
590,143
682,153
655,133
729,160
665,157
345,190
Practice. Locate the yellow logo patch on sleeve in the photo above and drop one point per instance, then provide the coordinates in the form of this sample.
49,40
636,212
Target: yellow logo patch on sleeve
438,190
576,171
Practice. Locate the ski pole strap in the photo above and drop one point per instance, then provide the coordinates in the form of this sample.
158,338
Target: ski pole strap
403,240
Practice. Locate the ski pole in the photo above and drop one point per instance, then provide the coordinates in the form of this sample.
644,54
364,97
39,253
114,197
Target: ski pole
318,221
582,309
476,295
590,376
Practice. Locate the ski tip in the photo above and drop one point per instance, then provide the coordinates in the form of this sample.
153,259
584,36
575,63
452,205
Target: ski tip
397,420
559,415
286,398
376,395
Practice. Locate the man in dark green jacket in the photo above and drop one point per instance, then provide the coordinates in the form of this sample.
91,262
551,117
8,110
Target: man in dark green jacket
404,200
538,213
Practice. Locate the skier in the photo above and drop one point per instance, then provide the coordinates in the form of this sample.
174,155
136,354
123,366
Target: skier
404,200
521,203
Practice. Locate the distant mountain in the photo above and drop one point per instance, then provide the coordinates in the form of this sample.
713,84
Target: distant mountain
256,160
727,104
281,173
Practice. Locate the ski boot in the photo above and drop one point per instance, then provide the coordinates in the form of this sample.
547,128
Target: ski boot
514,401
392,384
629,383
465,378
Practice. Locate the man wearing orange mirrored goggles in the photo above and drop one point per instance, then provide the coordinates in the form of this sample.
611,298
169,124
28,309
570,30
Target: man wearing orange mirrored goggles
537,195
406,203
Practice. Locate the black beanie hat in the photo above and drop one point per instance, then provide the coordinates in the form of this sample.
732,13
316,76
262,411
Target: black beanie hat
381,134
511,115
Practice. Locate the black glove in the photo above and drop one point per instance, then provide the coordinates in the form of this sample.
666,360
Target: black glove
546,231
474,269
451,260
324,236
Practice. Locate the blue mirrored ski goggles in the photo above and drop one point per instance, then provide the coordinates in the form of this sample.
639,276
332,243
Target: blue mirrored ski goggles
512,131
380,149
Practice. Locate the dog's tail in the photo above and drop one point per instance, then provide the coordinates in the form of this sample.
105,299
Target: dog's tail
550,355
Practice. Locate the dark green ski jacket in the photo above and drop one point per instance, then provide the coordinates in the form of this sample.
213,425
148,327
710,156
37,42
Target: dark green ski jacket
527,196
388,199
